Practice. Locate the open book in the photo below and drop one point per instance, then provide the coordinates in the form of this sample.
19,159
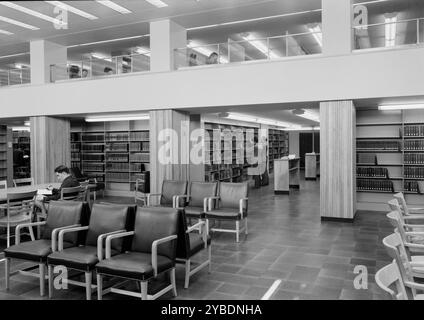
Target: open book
45,192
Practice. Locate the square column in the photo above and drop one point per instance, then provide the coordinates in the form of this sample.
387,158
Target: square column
337,160
337,34
43,54
165,36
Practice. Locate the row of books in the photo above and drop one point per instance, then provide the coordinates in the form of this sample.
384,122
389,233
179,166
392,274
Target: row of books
413,158
75,147
372,172
119,166
378,145
139,135
412,186
141,157
116,136
92,148
368,158
93,157
93,138
413,172
414,131
374,185
92,167
117,157
139,146
3,139
75,156
139,167
117,147
118,176
414,145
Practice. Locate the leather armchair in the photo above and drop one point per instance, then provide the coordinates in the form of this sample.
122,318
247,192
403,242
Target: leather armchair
231,205
170,189
153,251
104,220
62,215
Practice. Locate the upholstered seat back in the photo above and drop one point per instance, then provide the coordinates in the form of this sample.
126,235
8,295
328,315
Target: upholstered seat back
152,224
106,218
171,188
231,193
65,213
201,190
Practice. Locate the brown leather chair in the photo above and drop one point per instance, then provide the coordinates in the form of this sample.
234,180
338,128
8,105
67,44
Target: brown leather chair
62,215
170,189
104,220
152,252
231,205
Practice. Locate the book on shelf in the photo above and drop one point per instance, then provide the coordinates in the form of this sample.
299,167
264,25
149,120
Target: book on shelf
414,131
363,184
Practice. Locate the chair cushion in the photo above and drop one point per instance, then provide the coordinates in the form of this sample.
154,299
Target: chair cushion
133,265
170,189
201,190
37,250
196,243
194,212
80,258
225,214
231,193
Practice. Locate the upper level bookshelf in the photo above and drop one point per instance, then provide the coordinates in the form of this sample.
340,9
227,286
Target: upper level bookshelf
113,152
390,151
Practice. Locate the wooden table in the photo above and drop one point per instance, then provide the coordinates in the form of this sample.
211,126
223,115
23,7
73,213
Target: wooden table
4,192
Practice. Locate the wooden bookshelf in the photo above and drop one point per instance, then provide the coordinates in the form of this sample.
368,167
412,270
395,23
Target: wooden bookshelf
286,175
390,156
6,155
278,146
22,146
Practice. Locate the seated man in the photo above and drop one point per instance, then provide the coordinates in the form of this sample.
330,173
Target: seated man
68,181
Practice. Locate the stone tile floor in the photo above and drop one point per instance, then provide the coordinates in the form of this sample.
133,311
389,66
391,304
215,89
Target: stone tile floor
286,240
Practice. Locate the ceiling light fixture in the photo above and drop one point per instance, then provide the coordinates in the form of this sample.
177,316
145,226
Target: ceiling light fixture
316,33
20,129
390,20
14,55
107,41
143,51
18,23
401,106
299,128
157,3
74,10
143,116
5,32
258,44
247,118
307,114
101,57
202,49
27,123
112,5
32,13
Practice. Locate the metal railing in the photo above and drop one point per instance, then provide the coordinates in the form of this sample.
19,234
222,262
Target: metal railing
15,76
99,67
269,48
405,32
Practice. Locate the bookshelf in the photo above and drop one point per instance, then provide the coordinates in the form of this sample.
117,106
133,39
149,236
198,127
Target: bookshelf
21,154
286,175
278,146
235,171
389,156
115,153
6,155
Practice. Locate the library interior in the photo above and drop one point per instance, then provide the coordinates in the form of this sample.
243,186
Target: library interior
212,150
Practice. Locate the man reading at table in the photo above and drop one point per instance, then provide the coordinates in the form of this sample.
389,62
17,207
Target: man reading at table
67,181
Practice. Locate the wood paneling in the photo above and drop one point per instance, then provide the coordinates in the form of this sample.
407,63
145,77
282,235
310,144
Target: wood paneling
338,159
50,147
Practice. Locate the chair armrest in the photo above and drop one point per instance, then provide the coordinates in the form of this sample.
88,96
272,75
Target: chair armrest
416,264
209,200
100,242
68,230
195,226
242,201
414,245
414,285
115,236
149,195
414,226
155,252
176,200
415,216
23,225
56,231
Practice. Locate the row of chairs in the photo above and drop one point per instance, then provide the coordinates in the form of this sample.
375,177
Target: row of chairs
205,201
403,278
111,240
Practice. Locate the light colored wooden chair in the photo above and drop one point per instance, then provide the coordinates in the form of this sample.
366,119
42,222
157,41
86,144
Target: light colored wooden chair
78,193
389,277
3,185
404,207
23,182
19,209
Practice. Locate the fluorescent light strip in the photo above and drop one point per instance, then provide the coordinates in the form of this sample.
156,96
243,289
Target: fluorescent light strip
390,31
309,115
18,23
32,12
143,116
299,128
317,33
252,20
370,2
5,32
20,129
260,46
112,5
14,55
143,51
101,57
401,106
205,51
74,10
247,118
157,3
106,41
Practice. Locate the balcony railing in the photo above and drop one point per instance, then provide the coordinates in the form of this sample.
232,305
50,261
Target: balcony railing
97,67
15,76
389,34
269,48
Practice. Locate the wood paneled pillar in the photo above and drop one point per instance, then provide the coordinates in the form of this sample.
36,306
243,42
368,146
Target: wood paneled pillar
338,160
50,147
169,147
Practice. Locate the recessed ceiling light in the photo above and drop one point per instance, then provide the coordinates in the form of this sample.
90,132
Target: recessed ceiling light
18,23
121,117
5,32
258,44
74,10
401,106
32,12
157,3
114,6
